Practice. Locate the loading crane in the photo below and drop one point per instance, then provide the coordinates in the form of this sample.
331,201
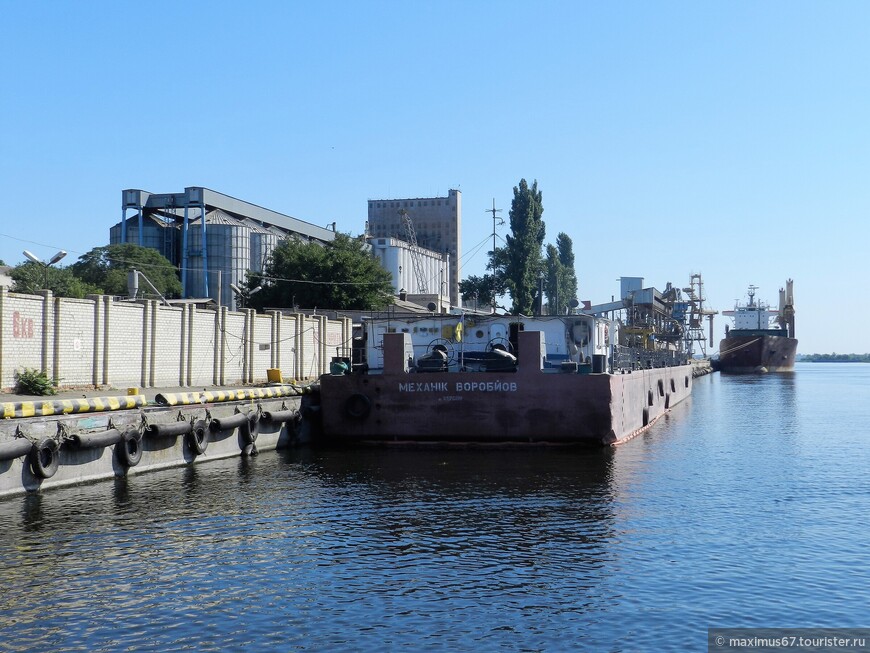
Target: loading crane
422,285
696,314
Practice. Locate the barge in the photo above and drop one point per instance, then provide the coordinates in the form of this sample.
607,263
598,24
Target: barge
599,376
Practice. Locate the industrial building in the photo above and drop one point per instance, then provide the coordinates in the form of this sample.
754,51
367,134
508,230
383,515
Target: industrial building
436,222
419,274
213,238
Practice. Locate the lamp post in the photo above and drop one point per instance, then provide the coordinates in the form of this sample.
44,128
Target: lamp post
243,295
45,264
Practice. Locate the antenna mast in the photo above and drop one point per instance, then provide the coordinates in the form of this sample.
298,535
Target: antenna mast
494,210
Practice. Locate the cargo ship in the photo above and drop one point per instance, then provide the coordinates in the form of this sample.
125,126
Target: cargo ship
597,375
762,339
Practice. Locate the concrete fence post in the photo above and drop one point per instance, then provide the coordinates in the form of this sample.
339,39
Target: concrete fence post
275,344
190,340
152,344
183,339
3,362
55,346
347,337
146,339
47,331
300,344
322,338
251,344
95,359
220,339
107,310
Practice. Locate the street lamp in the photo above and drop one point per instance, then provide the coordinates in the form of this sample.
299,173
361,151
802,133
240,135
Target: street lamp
45,265
242,296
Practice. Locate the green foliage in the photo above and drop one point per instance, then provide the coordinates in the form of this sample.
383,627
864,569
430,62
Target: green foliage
836,358
339,275
106,268
566,257
478,289
31,277
560,285
34,382
523,261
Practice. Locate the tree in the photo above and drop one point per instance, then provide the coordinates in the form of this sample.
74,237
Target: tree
552,281
561,279
523,250
479,289
341,274
566,257
106,268
30,278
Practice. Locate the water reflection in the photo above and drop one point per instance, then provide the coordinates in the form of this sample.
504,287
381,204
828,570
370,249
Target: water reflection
637,548
32,517
482,501
335,541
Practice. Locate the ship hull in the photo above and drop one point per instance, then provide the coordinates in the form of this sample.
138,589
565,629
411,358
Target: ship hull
754,353
536,407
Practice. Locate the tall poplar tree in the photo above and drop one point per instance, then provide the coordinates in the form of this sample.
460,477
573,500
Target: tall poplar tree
561,278
524,263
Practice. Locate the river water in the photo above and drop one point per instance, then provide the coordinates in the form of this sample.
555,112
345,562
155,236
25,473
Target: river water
746,506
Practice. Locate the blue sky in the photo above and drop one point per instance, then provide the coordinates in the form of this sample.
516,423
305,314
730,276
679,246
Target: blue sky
668,138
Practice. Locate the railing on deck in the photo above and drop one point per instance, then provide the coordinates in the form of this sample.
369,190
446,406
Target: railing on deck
631,358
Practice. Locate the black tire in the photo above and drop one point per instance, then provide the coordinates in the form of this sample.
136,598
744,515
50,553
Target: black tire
357,406
44,458
199,437
251,430
130,448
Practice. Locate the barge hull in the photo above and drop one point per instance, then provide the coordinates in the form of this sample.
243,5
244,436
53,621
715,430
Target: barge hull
531,405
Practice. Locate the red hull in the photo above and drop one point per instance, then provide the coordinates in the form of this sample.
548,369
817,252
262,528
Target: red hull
530,405
747,354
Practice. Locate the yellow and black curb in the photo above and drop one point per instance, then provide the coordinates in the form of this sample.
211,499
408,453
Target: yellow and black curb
208,397
15,409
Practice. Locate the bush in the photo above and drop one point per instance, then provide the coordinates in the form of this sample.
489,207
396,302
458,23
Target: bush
34,382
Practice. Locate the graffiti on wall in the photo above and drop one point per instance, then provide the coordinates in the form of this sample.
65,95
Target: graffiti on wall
22,327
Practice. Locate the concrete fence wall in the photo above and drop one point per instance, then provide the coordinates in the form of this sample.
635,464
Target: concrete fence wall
101,342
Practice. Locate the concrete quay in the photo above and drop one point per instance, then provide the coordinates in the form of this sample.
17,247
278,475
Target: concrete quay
80,436
701,367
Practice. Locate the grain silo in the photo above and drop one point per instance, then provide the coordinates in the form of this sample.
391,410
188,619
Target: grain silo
228,254
239,236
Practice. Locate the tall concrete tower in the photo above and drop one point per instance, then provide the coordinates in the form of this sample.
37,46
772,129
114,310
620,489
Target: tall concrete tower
437,224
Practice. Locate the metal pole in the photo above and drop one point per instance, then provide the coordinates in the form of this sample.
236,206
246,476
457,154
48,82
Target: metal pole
204,250
141,227
184,254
